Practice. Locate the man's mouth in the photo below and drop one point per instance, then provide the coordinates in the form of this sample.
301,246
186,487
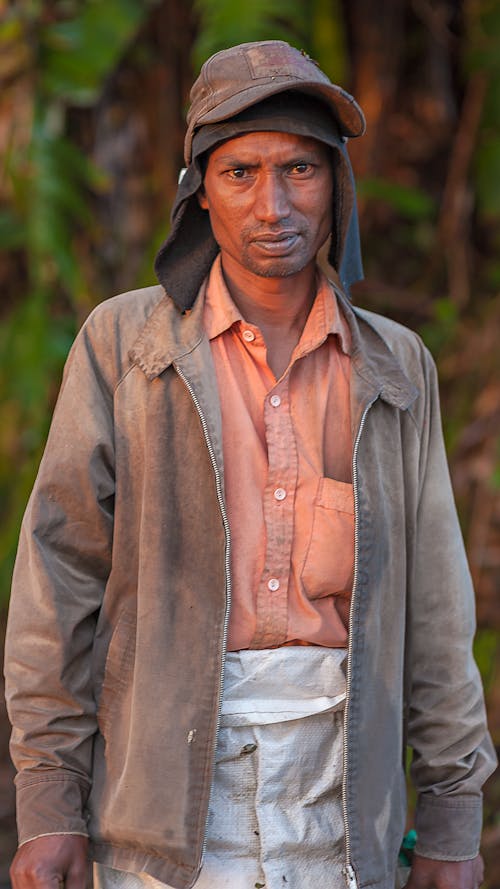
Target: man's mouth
276,242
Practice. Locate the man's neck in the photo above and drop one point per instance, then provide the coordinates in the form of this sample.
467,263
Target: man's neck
277,306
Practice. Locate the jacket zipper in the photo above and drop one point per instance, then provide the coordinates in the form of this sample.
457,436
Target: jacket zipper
348,870
227,560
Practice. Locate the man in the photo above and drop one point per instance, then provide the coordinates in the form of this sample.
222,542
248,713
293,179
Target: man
246,401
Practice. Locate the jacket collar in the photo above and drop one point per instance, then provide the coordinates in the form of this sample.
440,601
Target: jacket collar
374,361
169,334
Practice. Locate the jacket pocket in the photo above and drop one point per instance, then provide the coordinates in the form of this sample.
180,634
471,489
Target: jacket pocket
119,666
329,562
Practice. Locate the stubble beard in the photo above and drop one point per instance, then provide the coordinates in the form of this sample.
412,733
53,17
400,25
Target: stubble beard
275,267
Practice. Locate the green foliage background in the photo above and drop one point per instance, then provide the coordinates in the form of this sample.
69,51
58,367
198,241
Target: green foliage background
51,182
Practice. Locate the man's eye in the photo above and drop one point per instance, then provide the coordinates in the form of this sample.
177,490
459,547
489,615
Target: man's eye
237,173
301,168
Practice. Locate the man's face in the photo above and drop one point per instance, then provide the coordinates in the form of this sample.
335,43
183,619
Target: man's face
269,196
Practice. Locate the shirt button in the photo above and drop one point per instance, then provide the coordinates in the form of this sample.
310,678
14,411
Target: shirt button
248,335
275,400
280,494
273,584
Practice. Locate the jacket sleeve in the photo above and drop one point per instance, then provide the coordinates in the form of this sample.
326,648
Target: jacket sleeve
452,751
61,569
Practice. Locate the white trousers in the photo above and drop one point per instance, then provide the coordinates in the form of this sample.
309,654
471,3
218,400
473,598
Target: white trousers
275,814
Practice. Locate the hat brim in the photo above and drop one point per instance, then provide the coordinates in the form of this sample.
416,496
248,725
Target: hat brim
345,109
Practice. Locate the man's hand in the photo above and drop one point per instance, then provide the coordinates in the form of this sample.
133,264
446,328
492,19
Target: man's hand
426,873
48,862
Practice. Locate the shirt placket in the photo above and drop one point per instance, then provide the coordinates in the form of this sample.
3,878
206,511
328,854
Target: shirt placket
278,508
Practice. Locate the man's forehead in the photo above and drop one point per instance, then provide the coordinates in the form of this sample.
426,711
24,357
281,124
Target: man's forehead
270,144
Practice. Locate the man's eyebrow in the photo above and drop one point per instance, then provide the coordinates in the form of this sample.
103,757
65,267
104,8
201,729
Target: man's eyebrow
231,160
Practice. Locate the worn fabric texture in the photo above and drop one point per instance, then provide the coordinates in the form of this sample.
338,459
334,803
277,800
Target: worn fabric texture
126,533
275,814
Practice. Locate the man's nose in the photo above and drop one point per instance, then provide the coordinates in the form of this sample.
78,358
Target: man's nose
272,199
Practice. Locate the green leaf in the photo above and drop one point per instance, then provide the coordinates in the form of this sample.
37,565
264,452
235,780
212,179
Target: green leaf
488,175
221,26
328,40
483,36
438,332
77,55
491,108
486,650
57,203
412,203
495,477
11,30
12,232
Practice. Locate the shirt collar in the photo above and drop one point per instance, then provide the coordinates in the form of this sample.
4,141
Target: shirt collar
220,313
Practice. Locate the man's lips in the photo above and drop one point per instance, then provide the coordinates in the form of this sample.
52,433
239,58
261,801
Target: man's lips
276,242
274,236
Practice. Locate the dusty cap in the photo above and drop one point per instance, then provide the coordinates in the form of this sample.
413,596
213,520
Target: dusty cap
236,78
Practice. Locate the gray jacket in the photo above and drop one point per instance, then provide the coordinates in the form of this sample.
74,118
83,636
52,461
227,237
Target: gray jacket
122,589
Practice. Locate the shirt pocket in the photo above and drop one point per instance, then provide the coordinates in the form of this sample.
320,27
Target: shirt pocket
329,562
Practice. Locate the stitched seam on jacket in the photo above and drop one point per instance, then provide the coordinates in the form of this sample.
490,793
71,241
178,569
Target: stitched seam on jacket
450,803
53,778
149,852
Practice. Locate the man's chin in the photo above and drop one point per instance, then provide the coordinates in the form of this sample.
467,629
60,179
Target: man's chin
284,267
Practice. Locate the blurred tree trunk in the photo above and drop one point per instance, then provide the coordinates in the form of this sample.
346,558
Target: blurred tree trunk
137,139
376,38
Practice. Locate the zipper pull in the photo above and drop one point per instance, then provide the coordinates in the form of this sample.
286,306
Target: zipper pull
350,877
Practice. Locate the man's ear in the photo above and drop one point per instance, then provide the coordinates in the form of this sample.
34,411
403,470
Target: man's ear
202,197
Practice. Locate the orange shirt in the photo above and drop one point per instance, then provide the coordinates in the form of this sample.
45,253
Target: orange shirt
287,447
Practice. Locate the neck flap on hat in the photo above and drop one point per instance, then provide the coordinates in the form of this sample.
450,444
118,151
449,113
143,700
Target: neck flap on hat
184,260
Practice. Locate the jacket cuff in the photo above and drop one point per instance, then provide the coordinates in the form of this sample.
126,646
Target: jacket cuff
449,829
49,803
